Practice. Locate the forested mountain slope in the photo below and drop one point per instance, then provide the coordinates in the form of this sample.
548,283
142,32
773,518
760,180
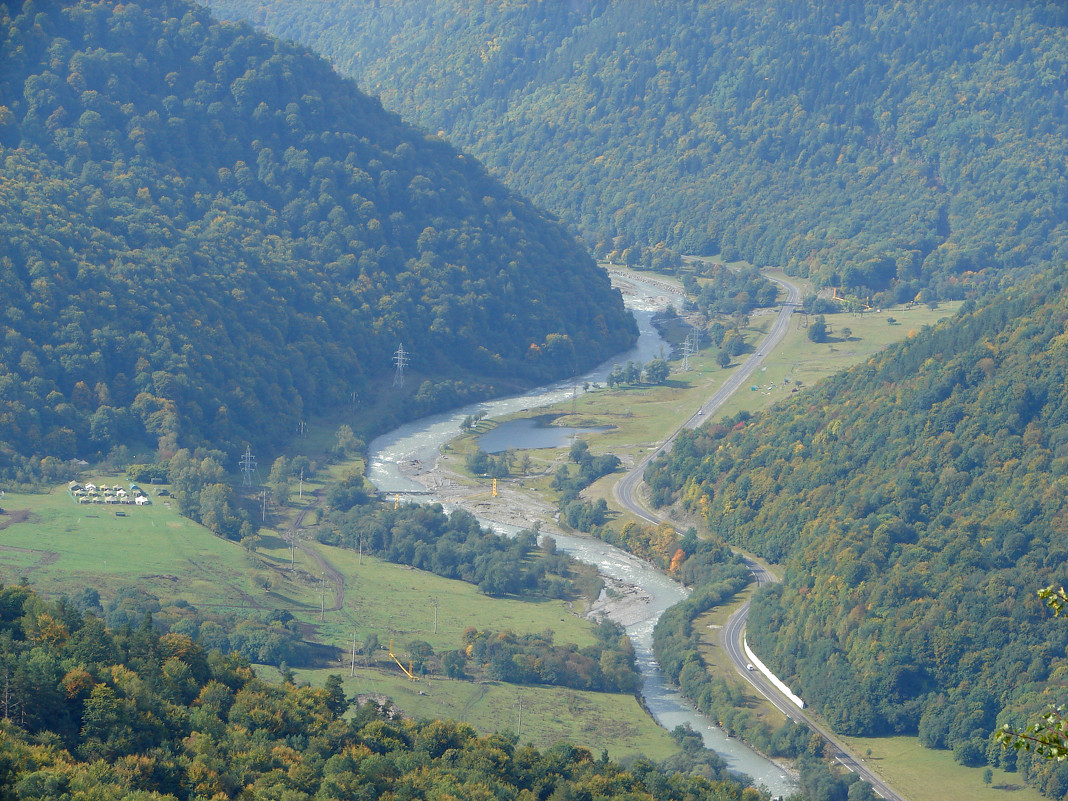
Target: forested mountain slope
918,502
207,234
911,144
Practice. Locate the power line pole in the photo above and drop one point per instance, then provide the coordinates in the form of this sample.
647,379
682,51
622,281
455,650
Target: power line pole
322,611
434,602
248,466
352,667
400,359
690,347
519,728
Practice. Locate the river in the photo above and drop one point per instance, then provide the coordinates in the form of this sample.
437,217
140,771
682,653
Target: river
393,456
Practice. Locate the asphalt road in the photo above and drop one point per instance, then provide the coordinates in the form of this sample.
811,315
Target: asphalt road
626,494
625,490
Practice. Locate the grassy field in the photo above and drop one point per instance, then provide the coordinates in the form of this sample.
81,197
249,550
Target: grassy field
800,359
61,548
922,774
592,720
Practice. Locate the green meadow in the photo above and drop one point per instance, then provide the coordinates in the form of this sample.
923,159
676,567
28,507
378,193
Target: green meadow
62,547
924,774
550,714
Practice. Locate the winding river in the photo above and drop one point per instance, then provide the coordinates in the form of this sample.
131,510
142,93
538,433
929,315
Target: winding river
391,460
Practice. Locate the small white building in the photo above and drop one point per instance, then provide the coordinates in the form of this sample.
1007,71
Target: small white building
142,500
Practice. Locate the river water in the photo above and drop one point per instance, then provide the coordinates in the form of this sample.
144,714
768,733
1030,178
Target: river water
419,442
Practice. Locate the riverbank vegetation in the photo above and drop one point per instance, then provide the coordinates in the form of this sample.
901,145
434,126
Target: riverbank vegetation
678,651
456,546
606,666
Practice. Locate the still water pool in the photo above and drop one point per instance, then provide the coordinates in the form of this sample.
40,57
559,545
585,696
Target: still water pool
529,433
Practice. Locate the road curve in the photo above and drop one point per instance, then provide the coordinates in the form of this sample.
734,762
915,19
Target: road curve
626,489
625,492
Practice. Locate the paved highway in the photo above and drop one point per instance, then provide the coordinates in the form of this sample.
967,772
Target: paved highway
625,490
626,494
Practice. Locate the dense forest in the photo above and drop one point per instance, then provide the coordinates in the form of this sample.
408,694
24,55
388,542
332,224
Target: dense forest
207,234
142,715
918,503
915,146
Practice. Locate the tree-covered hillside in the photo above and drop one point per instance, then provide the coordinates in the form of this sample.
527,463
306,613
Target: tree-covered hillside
139,715
918,502
910,144
206,235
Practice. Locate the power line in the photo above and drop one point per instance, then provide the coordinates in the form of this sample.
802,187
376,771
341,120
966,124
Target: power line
248,466
689,347
400,359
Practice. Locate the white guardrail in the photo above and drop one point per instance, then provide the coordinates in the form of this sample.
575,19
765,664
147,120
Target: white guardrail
771,676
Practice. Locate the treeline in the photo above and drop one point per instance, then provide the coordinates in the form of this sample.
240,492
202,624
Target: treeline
90,713
655,371
678,651
918,503
580,514
728,292
606,666
873,148
207,235
268,636
455,545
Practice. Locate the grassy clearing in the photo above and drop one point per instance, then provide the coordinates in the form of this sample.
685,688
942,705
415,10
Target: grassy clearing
922,774
63,547
798,359
550,714
396,601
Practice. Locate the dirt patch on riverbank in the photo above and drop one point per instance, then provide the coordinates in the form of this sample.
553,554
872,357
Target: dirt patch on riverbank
13,517
625,604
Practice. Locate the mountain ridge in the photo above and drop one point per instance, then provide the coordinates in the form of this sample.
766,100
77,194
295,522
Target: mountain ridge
887,150
208,235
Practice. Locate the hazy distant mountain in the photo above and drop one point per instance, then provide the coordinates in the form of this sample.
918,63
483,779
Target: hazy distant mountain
875,145
206,234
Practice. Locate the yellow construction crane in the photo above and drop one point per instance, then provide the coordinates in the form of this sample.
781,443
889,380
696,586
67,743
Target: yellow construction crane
407,670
